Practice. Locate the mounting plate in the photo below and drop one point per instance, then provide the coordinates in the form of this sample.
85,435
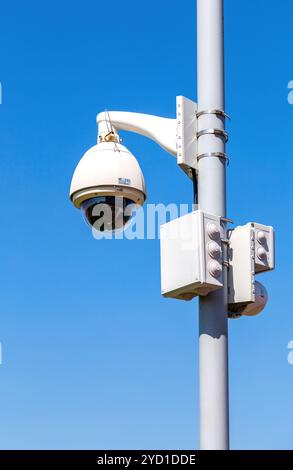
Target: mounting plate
186,134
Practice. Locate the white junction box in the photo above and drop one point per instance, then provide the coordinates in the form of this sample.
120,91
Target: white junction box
191,256
251,251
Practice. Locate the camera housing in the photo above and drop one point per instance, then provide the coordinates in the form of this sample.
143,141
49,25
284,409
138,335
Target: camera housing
108,183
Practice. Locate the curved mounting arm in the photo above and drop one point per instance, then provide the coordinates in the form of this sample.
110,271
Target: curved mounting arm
161,130
177,136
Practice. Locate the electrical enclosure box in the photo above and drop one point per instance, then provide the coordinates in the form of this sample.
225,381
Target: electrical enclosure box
191,256
251,251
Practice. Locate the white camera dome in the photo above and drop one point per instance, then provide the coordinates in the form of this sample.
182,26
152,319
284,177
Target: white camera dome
108,169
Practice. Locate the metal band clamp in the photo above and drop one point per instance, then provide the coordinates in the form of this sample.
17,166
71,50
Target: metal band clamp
217,132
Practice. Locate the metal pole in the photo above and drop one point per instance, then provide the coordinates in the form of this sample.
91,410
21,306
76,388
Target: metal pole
213,321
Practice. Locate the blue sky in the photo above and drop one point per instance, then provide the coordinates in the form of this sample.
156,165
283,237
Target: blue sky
93,356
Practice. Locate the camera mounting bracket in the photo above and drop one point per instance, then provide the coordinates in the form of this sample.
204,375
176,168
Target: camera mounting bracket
176,136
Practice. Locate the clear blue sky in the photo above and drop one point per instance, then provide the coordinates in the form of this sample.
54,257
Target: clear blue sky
93,356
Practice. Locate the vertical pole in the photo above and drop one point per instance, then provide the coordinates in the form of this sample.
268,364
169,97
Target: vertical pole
213,321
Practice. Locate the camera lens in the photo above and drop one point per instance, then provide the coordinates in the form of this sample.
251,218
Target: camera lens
107,213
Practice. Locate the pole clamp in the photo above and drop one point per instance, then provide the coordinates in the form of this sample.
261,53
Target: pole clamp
213,154
218,112
217,132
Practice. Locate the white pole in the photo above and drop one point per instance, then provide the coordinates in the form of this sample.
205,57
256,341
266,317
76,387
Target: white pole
213,322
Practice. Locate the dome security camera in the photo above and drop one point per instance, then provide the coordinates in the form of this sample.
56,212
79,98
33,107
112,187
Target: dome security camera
108,182
107,185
